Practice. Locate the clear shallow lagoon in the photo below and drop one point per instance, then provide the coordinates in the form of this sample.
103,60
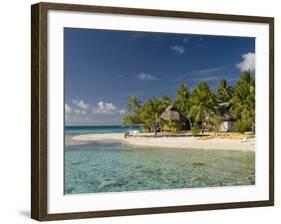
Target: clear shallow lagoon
76,130
115,167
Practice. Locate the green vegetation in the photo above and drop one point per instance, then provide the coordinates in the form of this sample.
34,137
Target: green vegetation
243,102
132,116
201,107
182,102
202,104
224,92
242,126
173,126
195,130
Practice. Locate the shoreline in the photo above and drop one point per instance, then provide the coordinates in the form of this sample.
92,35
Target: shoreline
171,142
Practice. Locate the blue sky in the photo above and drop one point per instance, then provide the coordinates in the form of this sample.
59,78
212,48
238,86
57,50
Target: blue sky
103,69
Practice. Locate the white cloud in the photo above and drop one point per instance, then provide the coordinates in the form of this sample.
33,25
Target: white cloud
248,63
107,108
104,108
80,112
92,114
67,109
144,76
208,70
178,48
202,74
81,104
122,111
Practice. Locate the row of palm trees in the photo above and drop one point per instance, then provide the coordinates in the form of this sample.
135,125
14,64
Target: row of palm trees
200,106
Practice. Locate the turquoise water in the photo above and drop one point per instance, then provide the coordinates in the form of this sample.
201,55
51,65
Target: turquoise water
115,167
96,129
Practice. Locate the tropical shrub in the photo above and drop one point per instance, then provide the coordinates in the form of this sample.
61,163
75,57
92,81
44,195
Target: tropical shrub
215,122
173,126
195,130
146,127
242,126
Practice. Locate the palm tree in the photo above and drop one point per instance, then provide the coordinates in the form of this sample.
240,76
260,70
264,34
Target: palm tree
202,104
131,116
224,92
156,108
133,105
151,111
167,101
145,117
128,119
243,100
215,121
182,102
182,99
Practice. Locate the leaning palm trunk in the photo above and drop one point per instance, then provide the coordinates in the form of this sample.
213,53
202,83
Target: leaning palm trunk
189,120
203,126
154,129
155,124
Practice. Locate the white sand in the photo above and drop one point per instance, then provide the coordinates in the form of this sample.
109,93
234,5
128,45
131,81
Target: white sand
99,137
192,142
172,142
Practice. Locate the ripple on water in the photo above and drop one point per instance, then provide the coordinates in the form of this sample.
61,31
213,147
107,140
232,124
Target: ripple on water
114,167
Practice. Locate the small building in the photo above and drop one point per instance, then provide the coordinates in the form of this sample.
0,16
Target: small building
172,120
226,118
227,123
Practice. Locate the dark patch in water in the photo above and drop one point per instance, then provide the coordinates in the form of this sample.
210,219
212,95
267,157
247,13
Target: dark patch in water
78,162
139,166
198,164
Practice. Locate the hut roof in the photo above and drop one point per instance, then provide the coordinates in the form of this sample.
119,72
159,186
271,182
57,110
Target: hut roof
172,114
226,117
224,113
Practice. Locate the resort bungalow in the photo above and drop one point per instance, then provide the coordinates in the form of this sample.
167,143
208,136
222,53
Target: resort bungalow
226,118
173,120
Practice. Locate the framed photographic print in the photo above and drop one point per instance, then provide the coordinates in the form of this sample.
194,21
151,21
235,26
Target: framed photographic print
138,111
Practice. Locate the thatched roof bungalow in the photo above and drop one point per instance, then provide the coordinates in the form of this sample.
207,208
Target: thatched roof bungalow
172,120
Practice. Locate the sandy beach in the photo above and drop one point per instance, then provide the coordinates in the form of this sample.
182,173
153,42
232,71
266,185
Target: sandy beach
99,137
171,142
